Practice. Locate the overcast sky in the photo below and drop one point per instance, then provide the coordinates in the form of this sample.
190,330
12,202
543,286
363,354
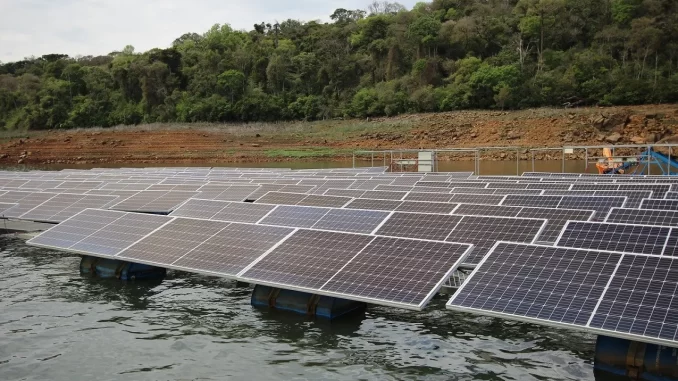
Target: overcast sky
98,27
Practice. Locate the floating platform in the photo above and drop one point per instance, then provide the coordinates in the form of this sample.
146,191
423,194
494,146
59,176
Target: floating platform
304,303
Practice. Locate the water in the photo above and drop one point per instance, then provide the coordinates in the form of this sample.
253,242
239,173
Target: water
503,167
58,325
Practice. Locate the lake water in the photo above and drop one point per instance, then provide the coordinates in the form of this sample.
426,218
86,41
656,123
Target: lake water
58,325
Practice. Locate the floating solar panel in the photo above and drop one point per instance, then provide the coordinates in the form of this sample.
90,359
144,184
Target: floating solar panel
537,284
477,199
426,207
232,250
86,185
355,193
154,201
555,220
643,216
295,216
659,204
25,201
227,192
483,232
601,205
368,204
99,232
65,205
177,187
173,241
307,259
640,301
403,272
416,225
325,201
4,207
350,220
623,238
487,210
428,197
281,198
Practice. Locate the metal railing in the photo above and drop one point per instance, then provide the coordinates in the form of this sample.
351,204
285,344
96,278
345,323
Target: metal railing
398,159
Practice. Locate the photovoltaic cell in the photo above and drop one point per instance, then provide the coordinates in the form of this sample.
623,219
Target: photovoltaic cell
426,207
428,197
307,259
639,239
641,299
484,232
423,226
487,210
555,220
387,205
154,201
643,216
476,199
232,249
398,270
537,283
659,204
349,220
99,232
295,216
173,241
65,205
24,201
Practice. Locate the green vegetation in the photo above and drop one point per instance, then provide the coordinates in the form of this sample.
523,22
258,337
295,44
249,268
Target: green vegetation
439,56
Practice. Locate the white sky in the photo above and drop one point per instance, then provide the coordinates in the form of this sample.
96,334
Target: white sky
98,27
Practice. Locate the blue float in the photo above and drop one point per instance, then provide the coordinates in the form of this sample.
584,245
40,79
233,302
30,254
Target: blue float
304,303
111,268
620,359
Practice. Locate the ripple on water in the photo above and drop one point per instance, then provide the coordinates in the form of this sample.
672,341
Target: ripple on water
56,324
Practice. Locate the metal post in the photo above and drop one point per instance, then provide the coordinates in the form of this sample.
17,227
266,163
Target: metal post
563,169
384,158
586,159
391,164
372,165
649,163
353,159
532,153
669,163
478,161
517,162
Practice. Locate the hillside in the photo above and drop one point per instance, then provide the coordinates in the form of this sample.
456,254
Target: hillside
223,143
440,56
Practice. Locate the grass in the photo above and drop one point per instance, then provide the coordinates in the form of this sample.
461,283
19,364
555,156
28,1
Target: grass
304,153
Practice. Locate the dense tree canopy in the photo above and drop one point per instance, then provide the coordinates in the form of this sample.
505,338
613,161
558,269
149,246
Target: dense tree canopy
385,60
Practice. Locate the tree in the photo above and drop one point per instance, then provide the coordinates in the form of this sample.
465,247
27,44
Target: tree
233,81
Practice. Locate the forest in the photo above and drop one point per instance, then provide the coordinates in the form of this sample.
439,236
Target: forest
382,61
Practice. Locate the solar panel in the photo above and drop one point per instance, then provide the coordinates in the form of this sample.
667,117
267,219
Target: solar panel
640,301
601,205
428,197
487,210
426,207
25,201
483,232
173,241
350,220
228,192
416,225
477,199
326,201
368,204
623,238
537,284
280,198
307,259
384,195
295,216
99,232
234,248
4,207
65,205
356,193
643,216
154,201
555,220
401,271
659,204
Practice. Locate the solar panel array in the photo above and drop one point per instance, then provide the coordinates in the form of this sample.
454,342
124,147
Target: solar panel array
383,270
386,238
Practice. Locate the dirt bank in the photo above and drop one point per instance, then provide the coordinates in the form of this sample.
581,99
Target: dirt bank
211,143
